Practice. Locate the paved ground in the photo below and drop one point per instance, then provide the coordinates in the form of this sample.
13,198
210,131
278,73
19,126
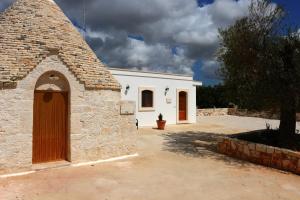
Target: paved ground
171,165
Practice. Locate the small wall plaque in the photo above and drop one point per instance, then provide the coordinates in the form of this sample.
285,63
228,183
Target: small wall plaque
169,100
127,108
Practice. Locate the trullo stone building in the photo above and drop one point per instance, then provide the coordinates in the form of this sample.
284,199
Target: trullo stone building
57,100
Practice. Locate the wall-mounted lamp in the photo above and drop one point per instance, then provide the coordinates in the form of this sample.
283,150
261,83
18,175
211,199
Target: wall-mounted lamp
127,89
167,90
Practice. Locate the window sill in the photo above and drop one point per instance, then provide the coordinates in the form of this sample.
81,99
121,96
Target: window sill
146,109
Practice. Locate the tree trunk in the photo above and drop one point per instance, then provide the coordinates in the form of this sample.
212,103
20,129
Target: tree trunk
287,127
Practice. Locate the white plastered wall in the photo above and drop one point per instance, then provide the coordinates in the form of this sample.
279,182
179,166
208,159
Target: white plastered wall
158,83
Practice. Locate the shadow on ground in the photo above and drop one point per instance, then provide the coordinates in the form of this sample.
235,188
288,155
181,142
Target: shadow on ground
198,144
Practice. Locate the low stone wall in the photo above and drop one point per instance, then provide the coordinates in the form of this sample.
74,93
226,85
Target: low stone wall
261,114
247,113
212,112
278,158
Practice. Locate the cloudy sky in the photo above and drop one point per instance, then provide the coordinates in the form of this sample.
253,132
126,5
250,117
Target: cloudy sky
177,36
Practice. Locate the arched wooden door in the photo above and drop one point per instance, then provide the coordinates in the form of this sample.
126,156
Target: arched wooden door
50,126
182,106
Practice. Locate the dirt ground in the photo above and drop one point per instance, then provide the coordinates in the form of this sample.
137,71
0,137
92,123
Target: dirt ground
179,163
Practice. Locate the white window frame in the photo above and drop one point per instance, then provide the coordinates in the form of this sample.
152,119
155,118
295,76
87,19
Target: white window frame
146,109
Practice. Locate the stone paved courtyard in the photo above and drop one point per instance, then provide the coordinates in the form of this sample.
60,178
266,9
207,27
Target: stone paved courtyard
179,163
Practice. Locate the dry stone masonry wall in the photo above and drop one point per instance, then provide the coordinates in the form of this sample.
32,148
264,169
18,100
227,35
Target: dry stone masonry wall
212,112
97,129
278,158
36,38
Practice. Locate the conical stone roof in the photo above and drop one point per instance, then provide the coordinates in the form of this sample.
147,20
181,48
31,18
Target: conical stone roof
31,30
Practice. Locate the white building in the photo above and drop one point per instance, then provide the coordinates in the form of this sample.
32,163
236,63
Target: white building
172,95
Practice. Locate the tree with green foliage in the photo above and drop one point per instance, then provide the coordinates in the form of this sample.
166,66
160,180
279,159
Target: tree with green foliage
212,97
261,63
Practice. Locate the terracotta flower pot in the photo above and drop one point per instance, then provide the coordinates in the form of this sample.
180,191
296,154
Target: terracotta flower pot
161,124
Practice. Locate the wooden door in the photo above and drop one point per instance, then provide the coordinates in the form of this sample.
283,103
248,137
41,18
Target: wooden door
182,106
50,126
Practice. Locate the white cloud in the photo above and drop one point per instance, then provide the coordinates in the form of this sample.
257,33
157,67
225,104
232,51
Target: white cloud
172,23
224,12
164,24
140,55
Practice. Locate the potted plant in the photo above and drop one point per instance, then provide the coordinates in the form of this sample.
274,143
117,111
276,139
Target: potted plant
160,122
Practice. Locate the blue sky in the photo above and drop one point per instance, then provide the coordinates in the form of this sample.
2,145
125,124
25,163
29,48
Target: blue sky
292,8
175,36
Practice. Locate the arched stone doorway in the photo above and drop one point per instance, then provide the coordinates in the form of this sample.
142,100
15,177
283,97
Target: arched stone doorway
51,118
